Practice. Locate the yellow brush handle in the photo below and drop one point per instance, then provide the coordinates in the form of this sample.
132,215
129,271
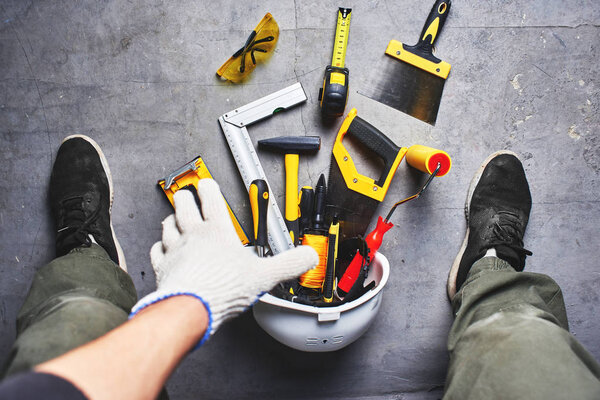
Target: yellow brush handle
291,194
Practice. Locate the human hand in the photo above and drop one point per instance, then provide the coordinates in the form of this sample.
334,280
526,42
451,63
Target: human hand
202,256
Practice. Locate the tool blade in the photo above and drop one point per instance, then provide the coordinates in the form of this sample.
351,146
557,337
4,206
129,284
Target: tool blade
406,88
353,210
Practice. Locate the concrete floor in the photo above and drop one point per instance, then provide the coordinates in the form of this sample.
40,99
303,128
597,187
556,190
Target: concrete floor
139,78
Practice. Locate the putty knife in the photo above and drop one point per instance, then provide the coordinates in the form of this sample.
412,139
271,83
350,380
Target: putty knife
412,79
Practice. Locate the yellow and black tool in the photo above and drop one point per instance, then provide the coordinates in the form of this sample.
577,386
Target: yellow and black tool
187,176
306,201
411,79
334,93
353,197
332,256
259,201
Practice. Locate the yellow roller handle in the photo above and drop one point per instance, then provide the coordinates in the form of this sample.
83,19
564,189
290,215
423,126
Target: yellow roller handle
426,159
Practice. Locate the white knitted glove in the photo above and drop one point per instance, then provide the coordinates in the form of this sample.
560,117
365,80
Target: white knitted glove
202,256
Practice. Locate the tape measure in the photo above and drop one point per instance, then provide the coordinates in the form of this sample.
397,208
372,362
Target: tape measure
334,93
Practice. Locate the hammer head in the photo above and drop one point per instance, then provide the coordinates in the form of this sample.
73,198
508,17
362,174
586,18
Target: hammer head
291,144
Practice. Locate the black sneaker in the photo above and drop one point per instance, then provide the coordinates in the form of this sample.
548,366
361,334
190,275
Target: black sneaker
497,211
81,197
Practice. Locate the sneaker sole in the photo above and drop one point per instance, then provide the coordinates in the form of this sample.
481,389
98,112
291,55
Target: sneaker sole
451,286
104,161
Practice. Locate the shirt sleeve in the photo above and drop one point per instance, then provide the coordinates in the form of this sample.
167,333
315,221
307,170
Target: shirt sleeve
35,385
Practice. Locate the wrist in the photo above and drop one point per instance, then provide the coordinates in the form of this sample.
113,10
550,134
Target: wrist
186,309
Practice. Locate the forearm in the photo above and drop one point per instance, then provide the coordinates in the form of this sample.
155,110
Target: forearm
135,360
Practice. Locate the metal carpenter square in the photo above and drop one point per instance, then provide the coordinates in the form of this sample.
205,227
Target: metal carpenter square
234,125
266,106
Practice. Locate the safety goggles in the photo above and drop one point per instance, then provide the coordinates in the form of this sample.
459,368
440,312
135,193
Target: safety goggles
258,48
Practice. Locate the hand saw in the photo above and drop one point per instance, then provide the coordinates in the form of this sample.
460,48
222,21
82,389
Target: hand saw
353,198
234,125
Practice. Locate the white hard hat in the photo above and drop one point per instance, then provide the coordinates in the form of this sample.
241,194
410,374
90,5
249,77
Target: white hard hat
319,329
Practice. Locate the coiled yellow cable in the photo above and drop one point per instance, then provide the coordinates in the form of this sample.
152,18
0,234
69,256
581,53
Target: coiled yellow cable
313,278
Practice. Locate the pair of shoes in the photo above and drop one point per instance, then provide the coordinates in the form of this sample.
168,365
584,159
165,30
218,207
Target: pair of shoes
497,212
81,195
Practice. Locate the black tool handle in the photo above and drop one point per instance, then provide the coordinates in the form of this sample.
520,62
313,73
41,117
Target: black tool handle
433,26
376,141
259,201
307,200
319,205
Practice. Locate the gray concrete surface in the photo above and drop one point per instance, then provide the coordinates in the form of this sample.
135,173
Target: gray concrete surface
139,78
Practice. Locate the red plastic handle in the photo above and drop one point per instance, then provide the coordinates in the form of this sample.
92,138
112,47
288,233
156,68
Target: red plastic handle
373,240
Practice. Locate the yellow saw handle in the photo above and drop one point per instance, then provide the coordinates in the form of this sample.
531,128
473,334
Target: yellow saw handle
375,141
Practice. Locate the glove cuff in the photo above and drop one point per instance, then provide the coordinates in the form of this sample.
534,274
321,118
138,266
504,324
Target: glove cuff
157,296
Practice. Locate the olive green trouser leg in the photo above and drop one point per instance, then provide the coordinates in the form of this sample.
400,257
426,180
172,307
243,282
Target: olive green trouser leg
72,300
510,339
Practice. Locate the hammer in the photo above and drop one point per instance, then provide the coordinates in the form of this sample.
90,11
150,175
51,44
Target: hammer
292,146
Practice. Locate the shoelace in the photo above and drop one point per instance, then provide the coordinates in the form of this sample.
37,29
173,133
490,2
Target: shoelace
507,231
74,225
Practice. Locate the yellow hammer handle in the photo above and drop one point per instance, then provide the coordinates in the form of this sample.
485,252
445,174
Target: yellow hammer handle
291,194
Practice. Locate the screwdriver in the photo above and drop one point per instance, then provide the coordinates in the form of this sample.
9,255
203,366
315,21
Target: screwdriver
332,255
306,201
259,201
319,205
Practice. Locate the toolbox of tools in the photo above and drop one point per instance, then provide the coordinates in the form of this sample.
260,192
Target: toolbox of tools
333,304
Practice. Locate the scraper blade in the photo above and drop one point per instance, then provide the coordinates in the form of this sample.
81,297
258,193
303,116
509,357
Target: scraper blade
411,79
412,91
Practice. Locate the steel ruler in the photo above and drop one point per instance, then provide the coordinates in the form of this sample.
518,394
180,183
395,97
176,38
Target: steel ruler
234,125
